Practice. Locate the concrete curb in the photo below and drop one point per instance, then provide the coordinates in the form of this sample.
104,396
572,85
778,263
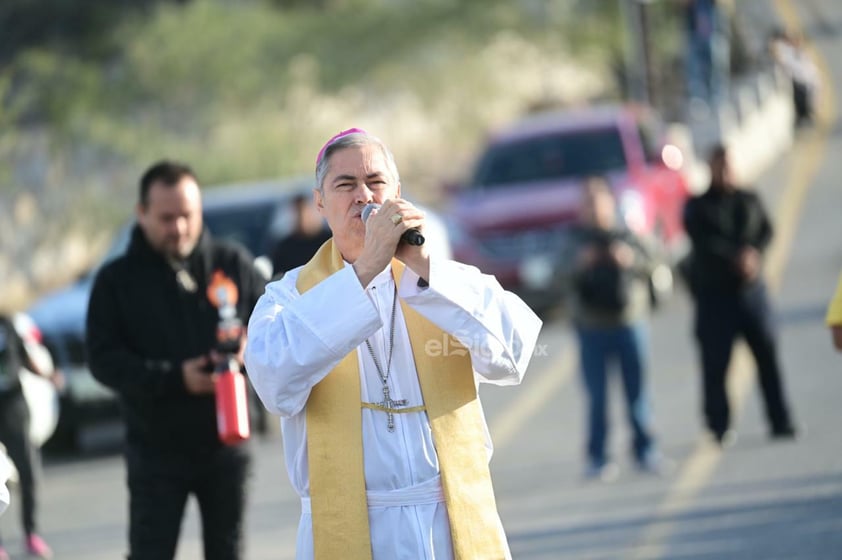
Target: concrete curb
756,126
760,125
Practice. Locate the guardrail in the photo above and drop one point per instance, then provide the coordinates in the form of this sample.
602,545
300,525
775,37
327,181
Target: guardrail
755,123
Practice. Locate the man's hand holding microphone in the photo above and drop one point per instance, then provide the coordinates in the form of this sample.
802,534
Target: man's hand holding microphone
393,229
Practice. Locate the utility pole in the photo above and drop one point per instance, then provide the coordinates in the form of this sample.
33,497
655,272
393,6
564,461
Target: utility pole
638,59
648,55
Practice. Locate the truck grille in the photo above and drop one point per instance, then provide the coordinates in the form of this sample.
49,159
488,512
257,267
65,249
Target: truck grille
517,245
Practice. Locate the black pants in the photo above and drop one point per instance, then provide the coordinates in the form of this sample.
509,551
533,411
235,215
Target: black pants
159,485
14,434
803,100
720,319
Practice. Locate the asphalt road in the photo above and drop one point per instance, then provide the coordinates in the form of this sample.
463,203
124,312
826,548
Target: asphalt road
757,500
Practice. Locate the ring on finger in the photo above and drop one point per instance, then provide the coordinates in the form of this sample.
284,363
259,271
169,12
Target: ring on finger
396,219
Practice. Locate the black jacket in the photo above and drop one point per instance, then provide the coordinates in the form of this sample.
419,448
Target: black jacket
295,250
142,324
720,224
605,294
11,358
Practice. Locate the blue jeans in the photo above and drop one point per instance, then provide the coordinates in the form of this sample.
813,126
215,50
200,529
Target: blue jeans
707,67
599,347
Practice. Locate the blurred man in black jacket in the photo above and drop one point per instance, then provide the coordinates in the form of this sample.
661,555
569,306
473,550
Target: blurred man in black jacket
729,230
151,335
301,244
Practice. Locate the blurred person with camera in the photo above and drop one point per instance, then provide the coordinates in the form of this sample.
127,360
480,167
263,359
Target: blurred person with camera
609,306
729,231
152,333
371,353
17,354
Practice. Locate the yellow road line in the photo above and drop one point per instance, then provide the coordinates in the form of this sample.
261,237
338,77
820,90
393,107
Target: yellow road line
807,159
548,381
808,155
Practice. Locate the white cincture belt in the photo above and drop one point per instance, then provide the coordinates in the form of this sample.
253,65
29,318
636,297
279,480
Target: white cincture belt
422,494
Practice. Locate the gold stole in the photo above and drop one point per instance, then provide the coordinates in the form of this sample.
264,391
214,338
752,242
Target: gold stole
335,444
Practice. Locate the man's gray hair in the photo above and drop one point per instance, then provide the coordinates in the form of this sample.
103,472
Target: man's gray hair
355,140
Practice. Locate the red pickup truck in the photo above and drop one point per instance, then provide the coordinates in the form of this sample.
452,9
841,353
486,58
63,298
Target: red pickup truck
512,218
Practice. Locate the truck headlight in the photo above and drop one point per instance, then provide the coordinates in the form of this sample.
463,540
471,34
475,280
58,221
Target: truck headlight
633,211
536,271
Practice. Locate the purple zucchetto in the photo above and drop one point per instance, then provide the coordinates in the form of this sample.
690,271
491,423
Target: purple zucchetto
335,138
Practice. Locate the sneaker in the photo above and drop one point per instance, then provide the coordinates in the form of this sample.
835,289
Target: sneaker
36,547
725,439
3,554
789,432
604,472
656,464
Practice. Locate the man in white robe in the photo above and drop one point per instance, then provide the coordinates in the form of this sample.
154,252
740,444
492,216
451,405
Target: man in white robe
296,339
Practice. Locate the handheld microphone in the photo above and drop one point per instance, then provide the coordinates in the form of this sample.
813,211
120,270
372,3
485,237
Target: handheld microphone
410,236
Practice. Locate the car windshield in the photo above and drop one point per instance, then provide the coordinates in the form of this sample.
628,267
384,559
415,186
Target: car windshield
572,154
247,225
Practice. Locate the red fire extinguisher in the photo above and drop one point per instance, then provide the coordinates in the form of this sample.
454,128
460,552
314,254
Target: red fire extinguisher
232,417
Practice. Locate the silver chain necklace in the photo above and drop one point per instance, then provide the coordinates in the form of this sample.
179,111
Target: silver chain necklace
387,402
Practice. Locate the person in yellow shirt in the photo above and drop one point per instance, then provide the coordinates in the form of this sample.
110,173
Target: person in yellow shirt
834,316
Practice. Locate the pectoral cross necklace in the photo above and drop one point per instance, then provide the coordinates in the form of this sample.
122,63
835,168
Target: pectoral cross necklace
388,405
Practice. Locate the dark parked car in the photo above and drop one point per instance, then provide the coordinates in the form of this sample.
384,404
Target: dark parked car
513,217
